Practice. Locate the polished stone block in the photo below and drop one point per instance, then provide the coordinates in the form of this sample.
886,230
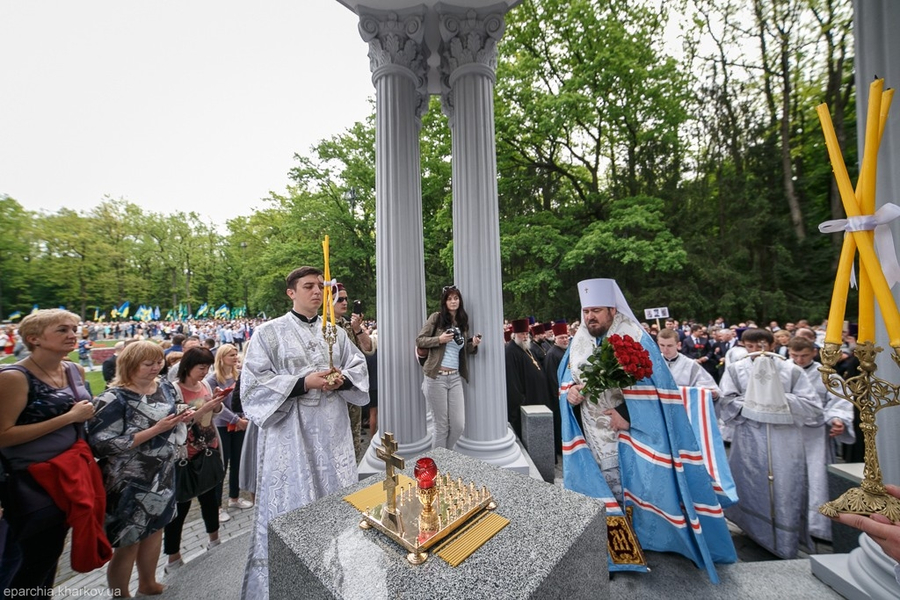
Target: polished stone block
554,547
537,437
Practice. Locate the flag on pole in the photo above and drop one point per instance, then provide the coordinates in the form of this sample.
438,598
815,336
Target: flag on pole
203,309
222,312
34,309
124,309
15,315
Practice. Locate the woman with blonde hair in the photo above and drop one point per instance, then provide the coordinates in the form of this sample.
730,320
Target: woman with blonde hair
135,434
43,407
782,339
231,425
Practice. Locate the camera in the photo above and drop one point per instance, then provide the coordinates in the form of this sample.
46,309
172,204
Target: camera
457,335
357,307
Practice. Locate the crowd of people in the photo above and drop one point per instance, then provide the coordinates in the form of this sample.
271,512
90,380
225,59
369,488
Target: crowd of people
264,404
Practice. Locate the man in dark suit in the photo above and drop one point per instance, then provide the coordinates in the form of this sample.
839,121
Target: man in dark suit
697,347
725,341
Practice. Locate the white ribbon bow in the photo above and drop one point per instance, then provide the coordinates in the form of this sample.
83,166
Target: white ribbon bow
884,239
334,289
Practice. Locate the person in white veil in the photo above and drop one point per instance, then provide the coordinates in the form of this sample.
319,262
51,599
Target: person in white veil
767,400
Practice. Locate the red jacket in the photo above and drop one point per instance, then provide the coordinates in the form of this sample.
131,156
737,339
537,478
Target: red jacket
75,483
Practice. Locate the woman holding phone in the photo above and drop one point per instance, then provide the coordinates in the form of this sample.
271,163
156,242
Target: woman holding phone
231,425
135,434
202,437
445,335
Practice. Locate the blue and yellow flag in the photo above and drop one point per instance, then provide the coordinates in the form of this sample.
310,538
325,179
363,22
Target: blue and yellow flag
13,316
222,312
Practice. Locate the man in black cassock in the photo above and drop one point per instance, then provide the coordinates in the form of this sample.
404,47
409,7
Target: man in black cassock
551,369
537,342
526,383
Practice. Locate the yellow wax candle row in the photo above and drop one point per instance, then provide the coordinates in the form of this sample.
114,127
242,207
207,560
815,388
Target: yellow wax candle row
848,251
863,241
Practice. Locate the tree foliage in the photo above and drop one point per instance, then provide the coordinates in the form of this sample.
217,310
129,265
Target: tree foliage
696,176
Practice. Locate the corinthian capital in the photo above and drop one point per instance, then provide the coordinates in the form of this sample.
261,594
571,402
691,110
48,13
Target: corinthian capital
394,38
468,44
469,36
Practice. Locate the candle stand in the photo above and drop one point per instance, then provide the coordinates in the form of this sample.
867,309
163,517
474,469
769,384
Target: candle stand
329,332
869,394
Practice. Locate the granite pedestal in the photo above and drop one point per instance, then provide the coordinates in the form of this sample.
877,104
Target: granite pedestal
537,437
553,547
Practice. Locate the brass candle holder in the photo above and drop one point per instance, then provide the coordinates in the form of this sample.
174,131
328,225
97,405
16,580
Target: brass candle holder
428,518
438,509
329,332
869,394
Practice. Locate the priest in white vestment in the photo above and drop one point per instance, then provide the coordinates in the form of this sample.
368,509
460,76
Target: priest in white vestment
685,371
819,434
768,399
305,447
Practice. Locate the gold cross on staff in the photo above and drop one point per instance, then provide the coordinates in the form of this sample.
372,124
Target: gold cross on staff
391,460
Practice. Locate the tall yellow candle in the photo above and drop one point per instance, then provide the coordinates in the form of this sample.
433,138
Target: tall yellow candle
834,330
331,306
327,290
865,191
868,258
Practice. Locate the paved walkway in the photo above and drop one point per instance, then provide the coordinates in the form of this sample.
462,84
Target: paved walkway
194,540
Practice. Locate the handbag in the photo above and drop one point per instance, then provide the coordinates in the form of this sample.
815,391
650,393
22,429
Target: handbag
422,353
199,474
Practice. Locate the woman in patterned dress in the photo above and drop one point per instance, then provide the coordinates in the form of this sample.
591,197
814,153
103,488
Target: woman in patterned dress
135,433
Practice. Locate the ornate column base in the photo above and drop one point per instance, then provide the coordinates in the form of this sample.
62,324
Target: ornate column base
503,452
867,572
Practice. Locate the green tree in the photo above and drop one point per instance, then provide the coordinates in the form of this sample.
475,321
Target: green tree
15,254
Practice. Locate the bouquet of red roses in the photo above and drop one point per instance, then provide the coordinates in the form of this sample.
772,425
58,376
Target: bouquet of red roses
618,362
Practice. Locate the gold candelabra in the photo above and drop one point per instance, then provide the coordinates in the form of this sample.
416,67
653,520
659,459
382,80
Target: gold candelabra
869,394
329,332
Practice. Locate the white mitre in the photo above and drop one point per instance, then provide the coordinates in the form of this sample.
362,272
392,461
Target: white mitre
603,292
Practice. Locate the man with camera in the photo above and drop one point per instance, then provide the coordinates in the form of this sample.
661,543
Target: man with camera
359,336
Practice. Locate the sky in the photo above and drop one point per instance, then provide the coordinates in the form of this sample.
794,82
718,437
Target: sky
187,105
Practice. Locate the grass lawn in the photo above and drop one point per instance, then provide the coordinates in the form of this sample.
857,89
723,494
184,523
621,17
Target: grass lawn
94,378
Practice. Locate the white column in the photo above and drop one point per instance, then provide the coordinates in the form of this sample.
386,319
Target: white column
397,59
867,572
878,54
468,56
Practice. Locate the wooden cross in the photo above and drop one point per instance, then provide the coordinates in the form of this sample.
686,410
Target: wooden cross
391,460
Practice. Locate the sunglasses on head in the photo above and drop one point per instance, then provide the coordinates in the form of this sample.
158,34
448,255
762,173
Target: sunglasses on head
448,288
